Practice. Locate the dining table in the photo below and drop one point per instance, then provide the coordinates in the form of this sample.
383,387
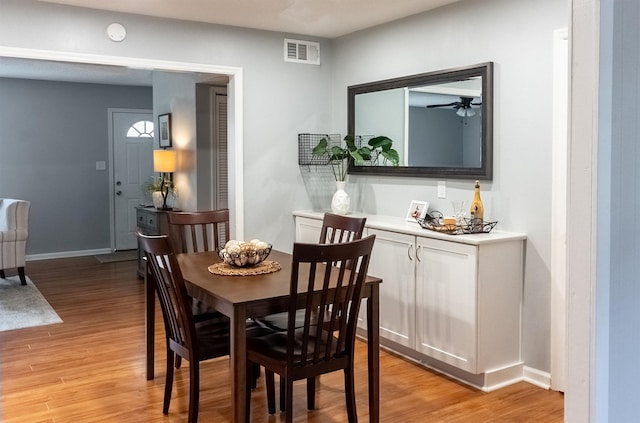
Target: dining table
241,297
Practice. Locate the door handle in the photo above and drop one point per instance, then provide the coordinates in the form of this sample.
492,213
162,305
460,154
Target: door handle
118,192
409,250
418,251
118,183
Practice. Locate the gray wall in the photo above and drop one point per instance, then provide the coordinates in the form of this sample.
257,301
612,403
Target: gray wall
52,134
518,37
280,99
617,321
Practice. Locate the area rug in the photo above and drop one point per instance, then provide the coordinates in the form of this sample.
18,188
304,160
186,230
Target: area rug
23,306
127,255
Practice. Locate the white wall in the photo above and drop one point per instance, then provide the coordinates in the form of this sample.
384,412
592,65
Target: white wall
518,37
175,93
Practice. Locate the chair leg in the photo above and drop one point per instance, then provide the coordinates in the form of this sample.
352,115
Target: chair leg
23,279
255,374
350,393
2,275
311,393
168,382
269,380
194,390
288,418
282,394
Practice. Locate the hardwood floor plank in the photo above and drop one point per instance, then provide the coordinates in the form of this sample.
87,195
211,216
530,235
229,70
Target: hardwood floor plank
91,368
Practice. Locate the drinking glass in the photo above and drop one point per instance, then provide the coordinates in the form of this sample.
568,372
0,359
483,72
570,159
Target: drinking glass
459,210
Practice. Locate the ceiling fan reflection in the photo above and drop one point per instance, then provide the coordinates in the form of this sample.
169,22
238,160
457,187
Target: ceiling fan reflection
463,107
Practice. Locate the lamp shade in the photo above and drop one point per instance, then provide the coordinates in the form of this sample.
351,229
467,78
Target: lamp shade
164,161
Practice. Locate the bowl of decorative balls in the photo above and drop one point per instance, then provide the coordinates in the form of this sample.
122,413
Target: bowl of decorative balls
244,254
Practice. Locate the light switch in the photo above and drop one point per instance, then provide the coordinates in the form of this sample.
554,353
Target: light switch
102,165
442,189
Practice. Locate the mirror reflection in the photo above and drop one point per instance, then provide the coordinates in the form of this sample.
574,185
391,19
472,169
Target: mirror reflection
440,122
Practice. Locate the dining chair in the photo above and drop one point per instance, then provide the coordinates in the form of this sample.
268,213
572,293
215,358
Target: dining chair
335,229
196,230
326,340
186,338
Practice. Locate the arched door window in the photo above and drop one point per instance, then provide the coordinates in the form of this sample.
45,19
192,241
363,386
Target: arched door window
141,129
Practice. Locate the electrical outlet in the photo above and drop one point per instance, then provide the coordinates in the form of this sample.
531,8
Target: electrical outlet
442,189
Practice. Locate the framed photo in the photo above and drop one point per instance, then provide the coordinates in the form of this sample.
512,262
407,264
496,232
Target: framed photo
417,209
164,130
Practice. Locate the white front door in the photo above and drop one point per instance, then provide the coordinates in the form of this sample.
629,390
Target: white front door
132,140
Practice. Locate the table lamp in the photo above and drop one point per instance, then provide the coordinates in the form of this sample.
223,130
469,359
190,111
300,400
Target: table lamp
164,162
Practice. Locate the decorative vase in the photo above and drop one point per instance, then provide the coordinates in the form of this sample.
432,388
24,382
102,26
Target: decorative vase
157,199
340,203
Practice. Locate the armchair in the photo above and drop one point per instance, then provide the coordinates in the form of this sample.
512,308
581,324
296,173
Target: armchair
14,216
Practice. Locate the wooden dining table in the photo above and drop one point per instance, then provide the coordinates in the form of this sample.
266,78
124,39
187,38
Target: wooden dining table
246,296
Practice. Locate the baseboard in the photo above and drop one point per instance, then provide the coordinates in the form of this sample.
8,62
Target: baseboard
67,254
489,381
537,377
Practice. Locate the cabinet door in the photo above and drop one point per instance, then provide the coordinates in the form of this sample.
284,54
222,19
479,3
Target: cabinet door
308,230
393,261
446,311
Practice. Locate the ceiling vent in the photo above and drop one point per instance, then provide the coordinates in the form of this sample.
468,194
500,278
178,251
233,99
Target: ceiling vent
301,51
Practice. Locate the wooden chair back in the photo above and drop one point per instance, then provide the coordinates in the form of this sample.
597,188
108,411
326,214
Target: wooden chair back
314,343
337,228
196,230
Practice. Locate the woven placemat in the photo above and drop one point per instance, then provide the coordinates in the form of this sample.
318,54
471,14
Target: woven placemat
263,268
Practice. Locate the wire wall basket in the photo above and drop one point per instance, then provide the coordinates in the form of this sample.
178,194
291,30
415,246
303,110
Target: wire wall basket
434,222
306,144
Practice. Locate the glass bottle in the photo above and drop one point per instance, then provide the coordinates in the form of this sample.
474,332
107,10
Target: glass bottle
477,209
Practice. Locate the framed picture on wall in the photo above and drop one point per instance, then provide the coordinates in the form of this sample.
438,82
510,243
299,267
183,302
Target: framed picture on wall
164,130
417,210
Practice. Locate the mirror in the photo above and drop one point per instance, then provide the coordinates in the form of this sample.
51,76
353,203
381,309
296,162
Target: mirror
441,123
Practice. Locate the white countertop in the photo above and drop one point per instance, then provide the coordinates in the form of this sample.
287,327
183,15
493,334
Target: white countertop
401,225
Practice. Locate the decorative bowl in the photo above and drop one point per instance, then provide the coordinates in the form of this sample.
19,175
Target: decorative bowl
244,254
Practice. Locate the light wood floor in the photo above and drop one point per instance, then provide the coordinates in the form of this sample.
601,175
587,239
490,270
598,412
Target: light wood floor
91,368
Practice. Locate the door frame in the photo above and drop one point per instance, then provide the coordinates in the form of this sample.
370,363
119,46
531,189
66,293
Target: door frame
112,204
559,172
235,136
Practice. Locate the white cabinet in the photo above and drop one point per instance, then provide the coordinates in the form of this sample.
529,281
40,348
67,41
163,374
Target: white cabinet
308,230
446,302
452,302
393,260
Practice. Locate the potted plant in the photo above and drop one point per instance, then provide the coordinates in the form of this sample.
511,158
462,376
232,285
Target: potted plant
339,158
153,188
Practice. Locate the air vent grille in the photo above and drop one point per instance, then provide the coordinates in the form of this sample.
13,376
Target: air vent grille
298,51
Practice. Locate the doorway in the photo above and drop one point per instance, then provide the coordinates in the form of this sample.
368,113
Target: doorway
131,146
234,98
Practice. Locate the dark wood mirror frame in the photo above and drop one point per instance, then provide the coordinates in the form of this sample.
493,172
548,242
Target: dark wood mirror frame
484,172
